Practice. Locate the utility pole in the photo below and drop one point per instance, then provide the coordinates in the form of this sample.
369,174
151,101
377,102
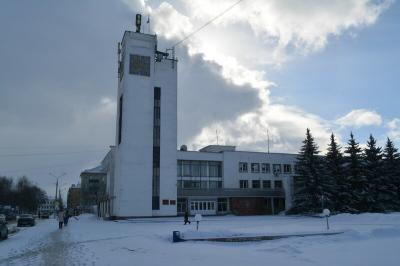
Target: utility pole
57,189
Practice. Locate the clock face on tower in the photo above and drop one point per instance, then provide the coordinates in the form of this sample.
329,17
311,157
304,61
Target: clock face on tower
139,65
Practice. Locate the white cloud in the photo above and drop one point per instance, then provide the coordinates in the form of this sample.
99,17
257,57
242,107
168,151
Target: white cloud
359,118
253,36
170,23
303,25
394,129
286,126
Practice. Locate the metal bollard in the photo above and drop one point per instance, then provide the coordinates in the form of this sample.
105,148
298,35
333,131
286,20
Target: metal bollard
176,236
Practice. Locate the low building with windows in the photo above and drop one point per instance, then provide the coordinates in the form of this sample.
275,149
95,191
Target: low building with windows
47,206
218,180
93,187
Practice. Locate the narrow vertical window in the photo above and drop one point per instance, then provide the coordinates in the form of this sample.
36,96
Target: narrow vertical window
120,120
156,149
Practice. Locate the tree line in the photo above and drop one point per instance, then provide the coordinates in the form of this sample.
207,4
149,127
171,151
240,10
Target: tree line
354,180
22,194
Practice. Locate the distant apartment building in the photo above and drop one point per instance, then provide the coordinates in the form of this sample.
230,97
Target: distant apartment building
73,197
47,206
93,187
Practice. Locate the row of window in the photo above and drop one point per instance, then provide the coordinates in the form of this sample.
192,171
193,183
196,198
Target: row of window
191,184
258,183
191,168
168,202
202,206
221,205
265,168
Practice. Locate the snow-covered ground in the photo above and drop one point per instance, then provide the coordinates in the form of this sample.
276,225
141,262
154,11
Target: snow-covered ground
369,239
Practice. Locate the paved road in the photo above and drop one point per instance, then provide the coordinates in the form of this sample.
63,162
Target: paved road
43,244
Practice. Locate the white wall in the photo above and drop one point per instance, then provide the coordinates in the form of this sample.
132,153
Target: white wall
231,174
134,156
165,77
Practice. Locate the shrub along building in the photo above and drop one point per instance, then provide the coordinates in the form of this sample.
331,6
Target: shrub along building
147,176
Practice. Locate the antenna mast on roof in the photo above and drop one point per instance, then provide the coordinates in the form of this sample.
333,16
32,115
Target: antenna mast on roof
148,22
268,140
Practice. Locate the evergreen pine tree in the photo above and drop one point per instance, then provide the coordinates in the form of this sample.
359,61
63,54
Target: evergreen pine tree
354,175
373,170
308,180
334,171
391,172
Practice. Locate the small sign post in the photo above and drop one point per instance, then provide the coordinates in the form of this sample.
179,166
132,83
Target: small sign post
197,218
326,213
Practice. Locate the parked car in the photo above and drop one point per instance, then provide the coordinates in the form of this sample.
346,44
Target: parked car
25,220
10,216
3,230
44,215
2,218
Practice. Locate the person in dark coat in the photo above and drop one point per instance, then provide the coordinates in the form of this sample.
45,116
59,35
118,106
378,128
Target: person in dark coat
186,217
66,218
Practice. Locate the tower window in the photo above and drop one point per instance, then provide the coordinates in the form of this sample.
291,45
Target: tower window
139,65
156,148
120,120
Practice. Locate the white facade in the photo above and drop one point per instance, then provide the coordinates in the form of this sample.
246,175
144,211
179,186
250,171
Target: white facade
47,206
233,175
142,71
268,176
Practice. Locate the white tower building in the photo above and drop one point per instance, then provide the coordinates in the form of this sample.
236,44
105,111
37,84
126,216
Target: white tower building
146,131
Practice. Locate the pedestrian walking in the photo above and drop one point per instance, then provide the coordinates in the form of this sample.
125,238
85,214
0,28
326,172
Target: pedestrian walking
66,218
186,217
60,219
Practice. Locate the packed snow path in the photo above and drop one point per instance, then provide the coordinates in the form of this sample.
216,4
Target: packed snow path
369,239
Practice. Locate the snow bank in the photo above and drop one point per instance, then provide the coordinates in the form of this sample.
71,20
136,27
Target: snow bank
369,239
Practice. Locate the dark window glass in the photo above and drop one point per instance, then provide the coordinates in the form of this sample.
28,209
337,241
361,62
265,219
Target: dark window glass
156,203
190,168
179,168
276,168
278,184
287,168
165,202
265,168
156,149
242,167
255,167
181,205
179,184
266,183
120,119
243,183
256,183
121,67
196,171
139,65
215,169
222,205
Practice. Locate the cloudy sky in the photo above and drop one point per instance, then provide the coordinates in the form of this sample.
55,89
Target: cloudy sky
276,65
